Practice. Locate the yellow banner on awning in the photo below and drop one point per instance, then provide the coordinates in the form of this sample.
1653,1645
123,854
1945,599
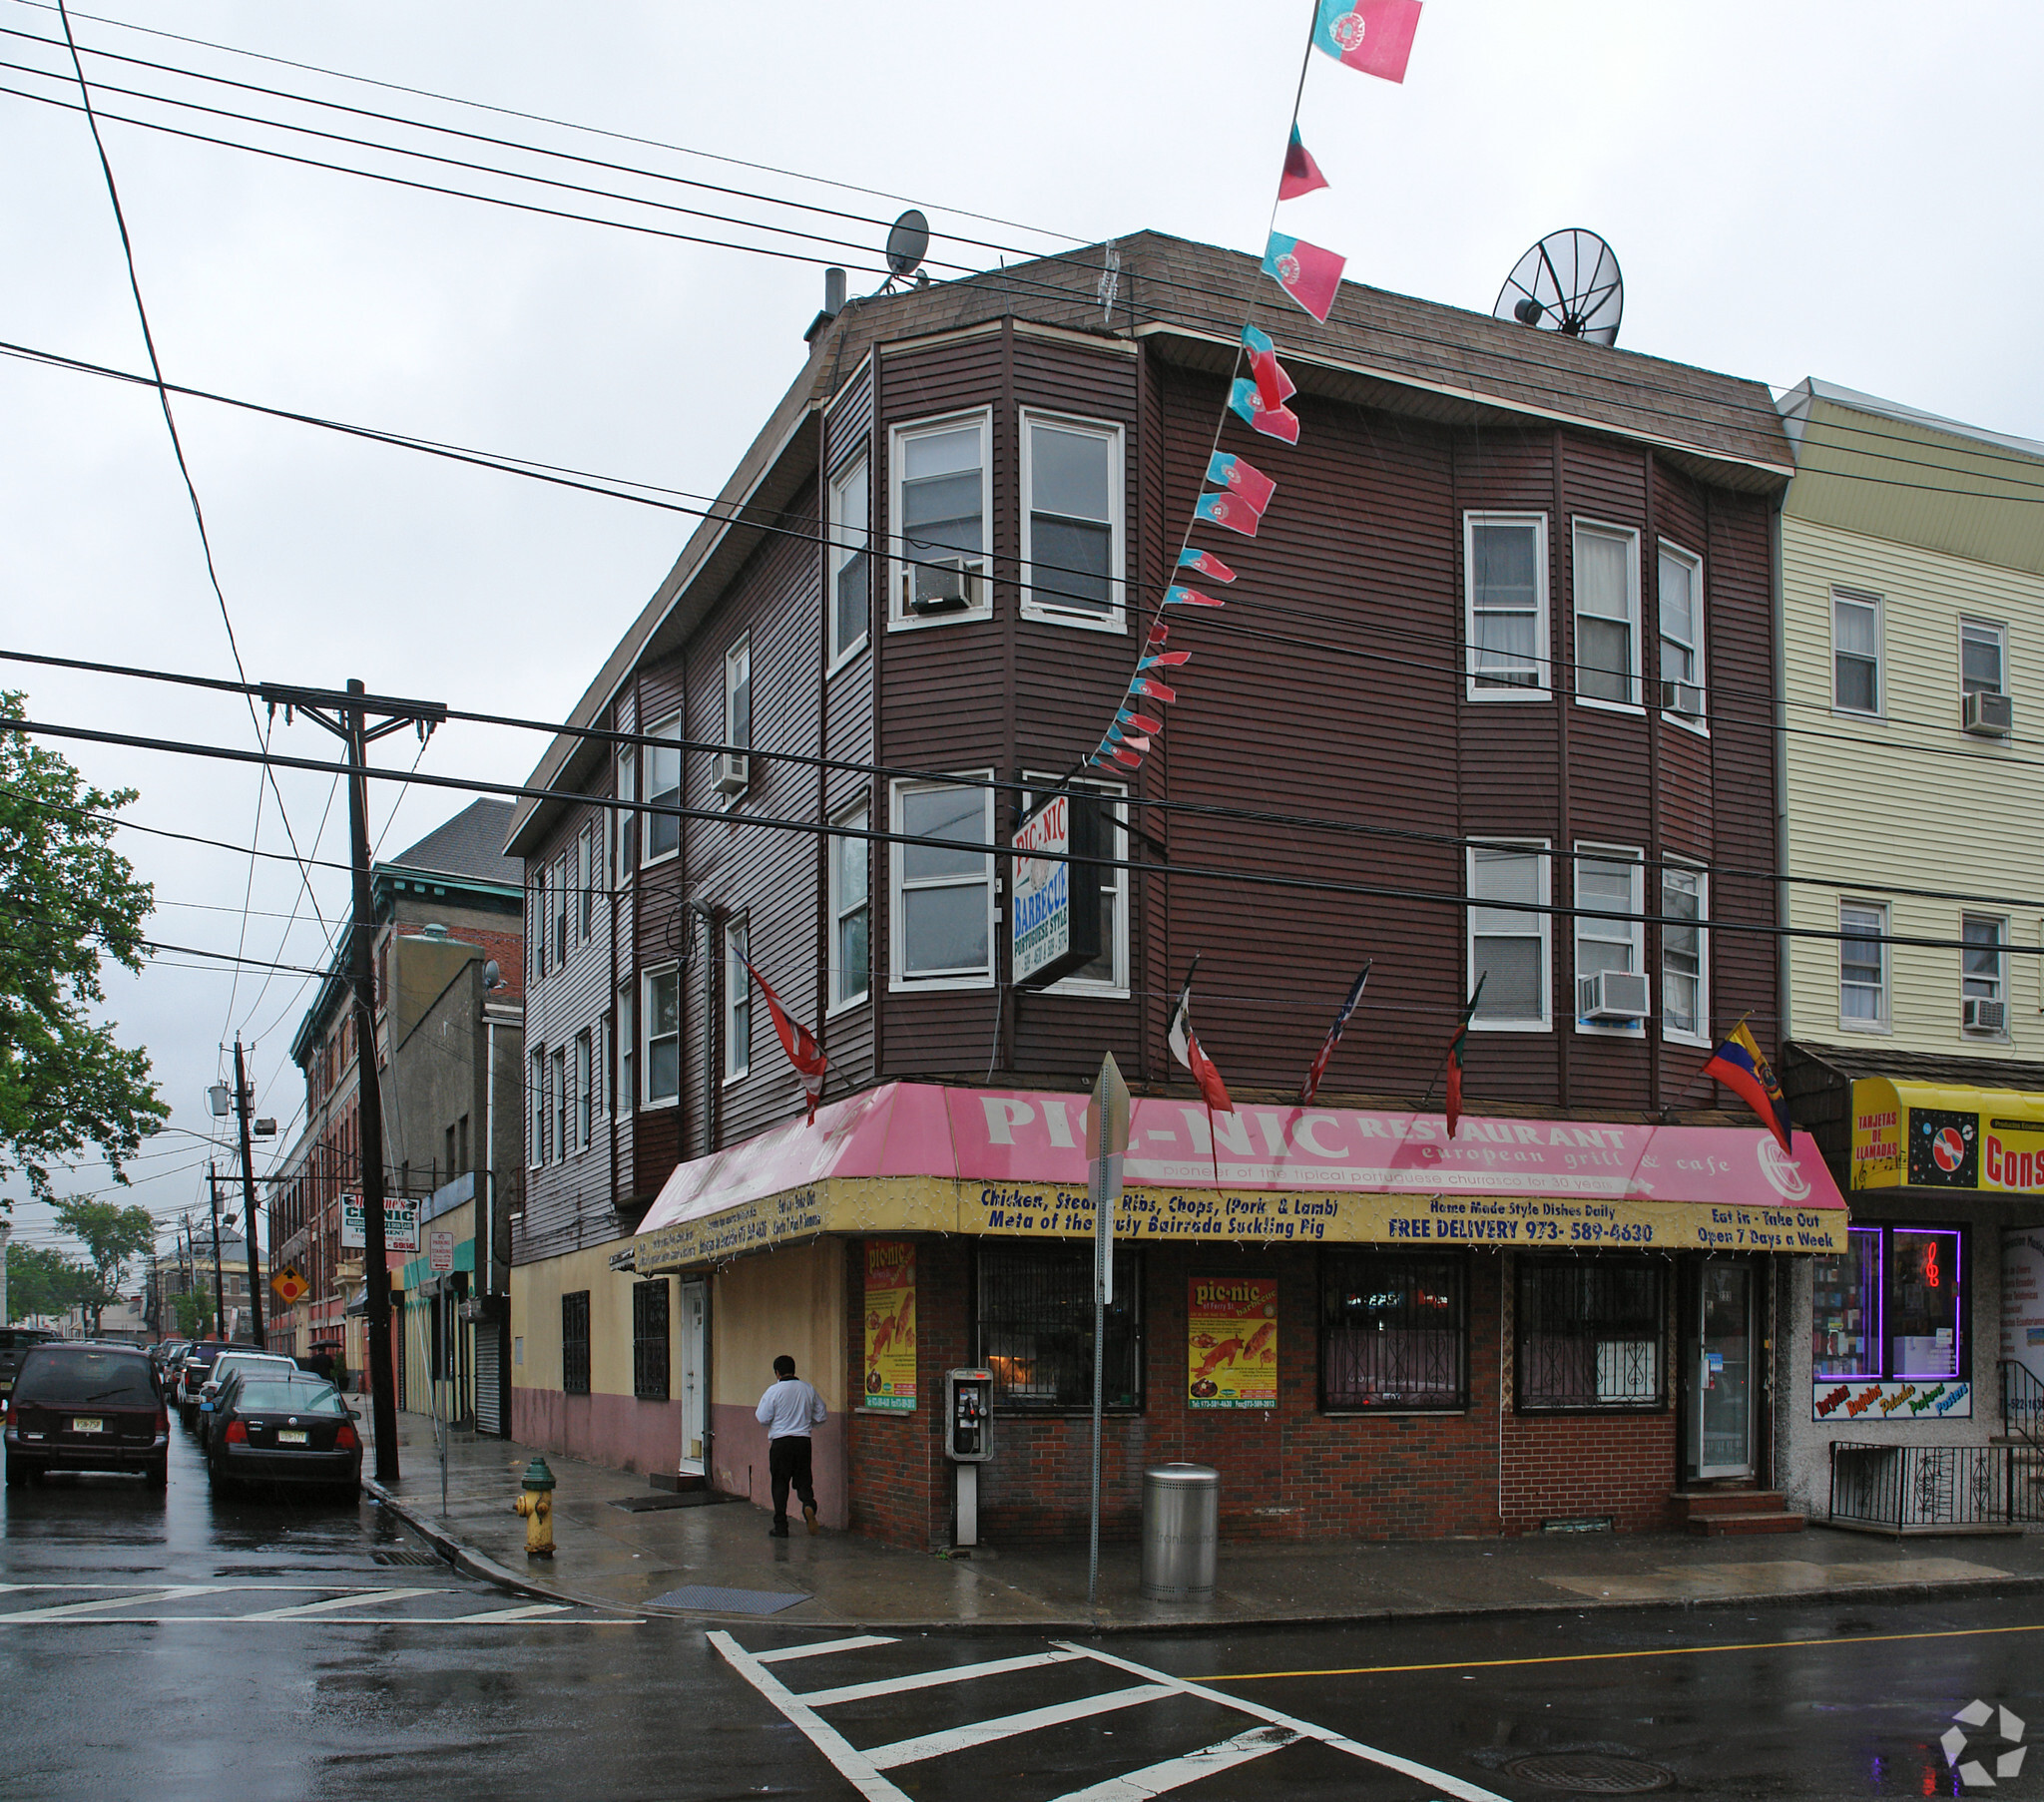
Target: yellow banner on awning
1932,1136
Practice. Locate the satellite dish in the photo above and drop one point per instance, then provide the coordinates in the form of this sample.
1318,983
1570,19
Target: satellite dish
1568,282
908,243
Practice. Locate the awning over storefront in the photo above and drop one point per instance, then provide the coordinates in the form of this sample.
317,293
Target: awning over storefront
1944,1136
917,1157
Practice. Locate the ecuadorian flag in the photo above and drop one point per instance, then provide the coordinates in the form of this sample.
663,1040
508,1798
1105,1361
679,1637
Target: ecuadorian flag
1739,1065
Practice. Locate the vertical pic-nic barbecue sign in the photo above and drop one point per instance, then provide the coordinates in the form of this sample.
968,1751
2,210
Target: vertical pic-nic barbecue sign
890,1325
1054,906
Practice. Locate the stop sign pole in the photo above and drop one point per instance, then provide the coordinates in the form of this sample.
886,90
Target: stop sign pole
1107,1143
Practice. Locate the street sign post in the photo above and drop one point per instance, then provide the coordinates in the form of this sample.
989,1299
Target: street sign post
1106,1146
441,1254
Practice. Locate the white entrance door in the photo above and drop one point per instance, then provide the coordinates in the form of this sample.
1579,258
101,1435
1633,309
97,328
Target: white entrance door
1724,1400
695,1374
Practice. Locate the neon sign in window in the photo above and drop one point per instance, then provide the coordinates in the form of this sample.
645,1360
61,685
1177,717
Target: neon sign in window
1892,1305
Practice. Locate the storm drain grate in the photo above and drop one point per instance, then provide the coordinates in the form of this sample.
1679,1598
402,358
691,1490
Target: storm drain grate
711,1599
404,1557
1591,1773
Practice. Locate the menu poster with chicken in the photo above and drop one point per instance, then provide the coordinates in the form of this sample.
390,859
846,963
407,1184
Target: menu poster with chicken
1231,1342
890,1325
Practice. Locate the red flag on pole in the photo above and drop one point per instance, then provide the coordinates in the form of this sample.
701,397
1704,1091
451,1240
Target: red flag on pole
1456,1046
1327,1052
797,1040
1186,1048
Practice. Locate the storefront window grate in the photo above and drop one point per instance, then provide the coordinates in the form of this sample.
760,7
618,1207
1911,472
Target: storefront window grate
1393,1332
1036,1328
1590,1332
575,1343
650,1360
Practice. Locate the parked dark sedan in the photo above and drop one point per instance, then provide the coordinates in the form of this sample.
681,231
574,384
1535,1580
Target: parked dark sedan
192,1371
284,1429
14,1346
83,1407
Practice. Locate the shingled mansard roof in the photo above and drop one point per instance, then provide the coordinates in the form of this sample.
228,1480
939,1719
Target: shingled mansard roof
1413,357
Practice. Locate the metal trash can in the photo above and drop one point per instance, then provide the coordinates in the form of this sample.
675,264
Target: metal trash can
1181,1532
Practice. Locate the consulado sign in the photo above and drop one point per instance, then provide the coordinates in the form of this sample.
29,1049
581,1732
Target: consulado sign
400,1224
1055,905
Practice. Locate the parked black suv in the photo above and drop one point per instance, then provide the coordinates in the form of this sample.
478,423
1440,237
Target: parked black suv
87,1407
14,1344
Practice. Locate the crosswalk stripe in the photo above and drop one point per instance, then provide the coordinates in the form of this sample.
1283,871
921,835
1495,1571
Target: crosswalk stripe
1173,1773
930,1679
139,1598
855,1766
980,1732
532,1611
334,1604
855,1643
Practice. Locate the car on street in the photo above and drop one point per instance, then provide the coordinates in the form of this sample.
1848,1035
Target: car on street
292,1429
192,1371
80,1405
14,1344
225,1366
164,1353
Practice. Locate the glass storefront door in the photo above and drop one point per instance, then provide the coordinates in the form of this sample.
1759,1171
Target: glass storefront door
1722,1407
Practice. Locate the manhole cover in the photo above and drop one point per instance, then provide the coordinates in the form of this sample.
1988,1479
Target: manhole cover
404,1557
1591,1773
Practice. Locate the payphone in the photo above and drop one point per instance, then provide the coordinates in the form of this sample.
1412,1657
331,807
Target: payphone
968,1441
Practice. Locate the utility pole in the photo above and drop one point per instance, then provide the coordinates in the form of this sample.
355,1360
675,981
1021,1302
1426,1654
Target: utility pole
243,1101
348,717
220,1300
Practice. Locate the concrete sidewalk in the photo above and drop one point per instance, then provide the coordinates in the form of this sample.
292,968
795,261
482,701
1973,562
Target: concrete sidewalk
609,1557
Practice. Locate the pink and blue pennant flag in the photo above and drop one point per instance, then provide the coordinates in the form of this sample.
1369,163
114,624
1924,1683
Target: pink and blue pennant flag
1143,723
1307,272
1207,564
1301,174
1242,478
1133,741
1247,404
1157,691
1273,384
1182,596
1171,658
1122,754
1375,36
1228,509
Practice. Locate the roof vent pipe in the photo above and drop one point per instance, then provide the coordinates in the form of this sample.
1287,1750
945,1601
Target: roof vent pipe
834,292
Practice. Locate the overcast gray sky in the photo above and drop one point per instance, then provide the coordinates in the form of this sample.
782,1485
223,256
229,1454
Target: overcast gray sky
1829,189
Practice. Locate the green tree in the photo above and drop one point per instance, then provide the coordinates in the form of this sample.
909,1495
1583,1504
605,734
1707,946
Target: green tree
112,1236
39,1280
195,1318
68,900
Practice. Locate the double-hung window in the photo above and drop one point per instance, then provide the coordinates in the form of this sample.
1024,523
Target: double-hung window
664,789
585,899
663,1015
536,1150
624,1088
584,1067
943,899
1863,966
1984,992
848,562
1610,936
1607,614
1684,955
1590,1333
1983,658
1682,635
1855,652
1072,520
737,695
539,929
1504,560
564,901
941,503
625,833
850,909
1106,974
737,1002
1508,947
564,1135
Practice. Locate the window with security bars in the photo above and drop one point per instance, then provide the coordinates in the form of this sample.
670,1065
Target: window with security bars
575,1343
1036,1328
1393,1331
1590,1332
649,1341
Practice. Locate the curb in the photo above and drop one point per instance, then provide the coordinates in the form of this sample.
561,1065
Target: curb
466,1559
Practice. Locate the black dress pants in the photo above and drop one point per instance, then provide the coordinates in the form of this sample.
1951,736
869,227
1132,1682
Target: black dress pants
787,1461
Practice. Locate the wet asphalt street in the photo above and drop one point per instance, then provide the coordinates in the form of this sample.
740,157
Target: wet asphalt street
265,1646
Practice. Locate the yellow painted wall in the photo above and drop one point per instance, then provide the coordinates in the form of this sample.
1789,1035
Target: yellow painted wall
789,1301
1909,799
536,1291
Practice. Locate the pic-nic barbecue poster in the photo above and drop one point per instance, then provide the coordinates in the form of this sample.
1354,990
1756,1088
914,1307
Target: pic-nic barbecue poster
890,1325
1231,1342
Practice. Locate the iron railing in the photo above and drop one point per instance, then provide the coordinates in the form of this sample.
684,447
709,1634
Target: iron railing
2022,1403
1934,1489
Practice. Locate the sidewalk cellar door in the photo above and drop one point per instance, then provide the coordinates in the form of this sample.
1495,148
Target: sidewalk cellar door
695,1373
1722,1403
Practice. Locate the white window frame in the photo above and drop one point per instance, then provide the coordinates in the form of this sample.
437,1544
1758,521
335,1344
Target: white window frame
669,727
626,829
1114,795
1635,936
2001,923
848,539
1683,866
542,922
1972,623
557,1070
625,1083
1542,687
1859,597
643,1026
736,1001
898,981
1668,549
1581,525
1543,925
1880,1022
585,1099
535,1123
737,672
899,618
585,895
603,1065
1115,619
857,818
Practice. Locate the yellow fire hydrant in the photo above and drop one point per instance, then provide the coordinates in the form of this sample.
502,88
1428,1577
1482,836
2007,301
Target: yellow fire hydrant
537,1506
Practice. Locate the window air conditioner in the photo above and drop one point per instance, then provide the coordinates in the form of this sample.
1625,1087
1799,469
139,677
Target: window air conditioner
1977,1016
731,773
1685,698
1989,716
1612,998
950,585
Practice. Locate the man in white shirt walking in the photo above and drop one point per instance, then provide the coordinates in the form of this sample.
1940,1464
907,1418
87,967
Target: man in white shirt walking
789,1411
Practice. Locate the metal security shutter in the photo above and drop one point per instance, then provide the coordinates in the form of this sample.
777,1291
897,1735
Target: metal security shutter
489,1378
